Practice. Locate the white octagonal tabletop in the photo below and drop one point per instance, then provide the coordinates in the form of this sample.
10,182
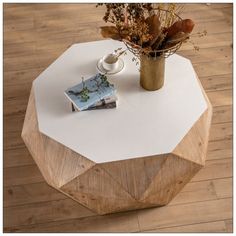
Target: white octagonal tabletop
143,124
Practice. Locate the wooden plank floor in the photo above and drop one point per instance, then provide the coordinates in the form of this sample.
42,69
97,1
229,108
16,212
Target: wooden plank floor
34,36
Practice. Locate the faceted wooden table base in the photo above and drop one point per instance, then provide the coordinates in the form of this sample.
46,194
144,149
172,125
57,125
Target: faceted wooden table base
118,185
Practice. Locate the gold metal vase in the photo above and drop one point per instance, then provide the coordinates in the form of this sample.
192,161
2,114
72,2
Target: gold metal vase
152,72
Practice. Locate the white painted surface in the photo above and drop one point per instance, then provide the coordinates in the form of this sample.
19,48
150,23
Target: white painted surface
144,123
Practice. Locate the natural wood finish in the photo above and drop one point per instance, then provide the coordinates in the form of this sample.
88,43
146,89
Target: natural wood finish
98,191
34,36
135,175
119,185
197,138
172,177
209,227
229,225
59,157
34,139
58,164
147,221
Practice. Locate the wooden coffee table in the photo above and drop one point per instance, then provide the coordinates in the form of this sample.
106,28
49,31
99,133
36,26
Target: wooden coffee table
137,155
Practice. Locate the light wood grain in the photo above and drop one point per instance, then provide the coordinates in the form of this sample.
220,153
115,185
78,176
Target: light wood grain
121,185
30,193
206,54
40,192
170,180
48,211
64,163
97,190
187,214
193,192
222,114
223,187
116,222
215,168
209,227
29,47
196,139
34,139
219,168
220,149
135,175
58,164
221,98
151,219
221,131
229,226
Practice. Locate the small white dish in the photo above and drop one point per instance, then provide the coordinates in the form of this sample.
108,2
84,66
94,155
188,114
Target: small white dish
101,69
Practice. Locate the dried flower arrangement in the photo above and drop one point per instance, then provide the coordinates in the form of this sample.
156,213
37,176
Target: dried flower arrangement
151,29
151,32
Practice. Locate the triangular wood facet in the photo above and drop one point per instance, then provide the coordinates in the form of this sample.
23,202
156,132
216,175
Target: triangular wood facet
193,146
34,143
174,174
30,122
135,175
34,140
96,190
64,164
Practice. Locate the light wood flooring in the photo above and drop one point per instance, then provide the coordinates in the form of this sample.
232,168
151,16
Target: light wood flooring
34,36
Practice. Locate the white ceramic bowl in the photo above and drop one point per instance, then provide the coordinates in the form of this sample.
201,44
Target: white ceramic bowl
110,62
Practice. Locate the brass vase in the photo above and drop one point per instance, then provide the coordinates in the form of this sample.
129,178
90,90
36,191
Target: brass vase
152,72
